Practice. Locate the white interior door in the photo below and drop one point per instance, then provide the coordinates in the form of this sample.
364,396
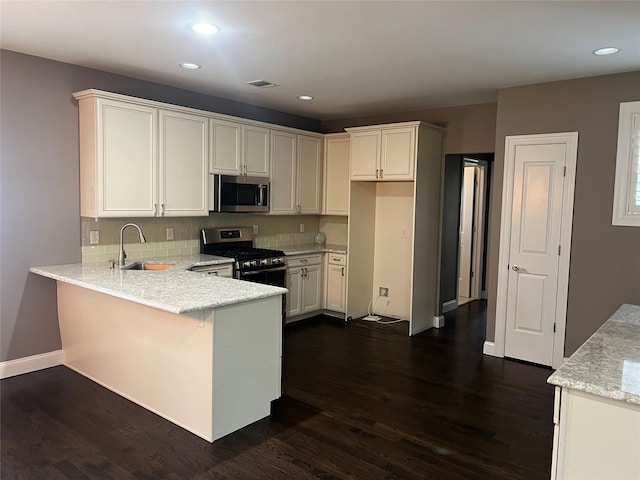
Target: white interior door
466,232
534,251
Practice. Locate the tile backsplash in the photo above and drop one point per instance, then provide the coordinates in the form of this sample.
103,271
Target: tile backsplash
274,231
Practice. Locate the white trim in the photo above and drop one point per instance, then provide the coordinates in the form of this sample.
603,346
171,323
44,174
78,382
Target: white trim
438,322
11,368
629,115
449,305
489,348
571,141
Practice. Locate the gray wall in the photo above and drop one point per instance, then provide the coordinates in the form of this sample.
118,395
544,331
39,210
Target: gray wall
39,190
605,260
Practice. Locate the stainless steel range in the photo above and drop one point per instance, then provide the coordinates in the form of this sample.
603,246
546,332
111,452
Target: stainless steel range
252,264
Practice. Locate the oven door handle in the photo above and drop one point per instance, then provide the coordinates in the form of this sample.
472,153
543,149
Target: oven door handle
266,270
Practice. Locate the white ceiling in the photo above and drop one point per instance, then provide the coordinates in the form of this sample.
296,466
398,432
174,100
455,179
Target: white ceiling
355,58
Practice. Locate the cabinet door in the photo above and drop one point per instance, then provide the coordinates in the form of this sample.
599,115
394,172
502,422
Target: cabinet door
294,297
312,289
336,176
127,159
225,140
335,288
398,153
283,172
365,155
255,151
309,174
183,164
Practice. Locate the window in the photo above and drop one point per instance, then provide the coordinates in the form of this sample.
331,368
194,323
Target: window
626,195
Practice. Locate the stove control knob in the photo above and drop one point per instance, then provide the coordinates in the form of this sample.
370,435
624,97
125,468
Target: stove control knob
246,264
264,262
253,263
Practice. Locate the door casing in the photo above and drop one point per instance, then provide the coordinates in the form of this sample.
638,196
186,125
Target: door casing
570,139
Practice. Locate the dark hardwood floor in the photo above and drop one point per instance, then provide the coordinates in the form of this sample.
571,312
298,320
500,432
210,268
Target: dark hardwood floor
362,401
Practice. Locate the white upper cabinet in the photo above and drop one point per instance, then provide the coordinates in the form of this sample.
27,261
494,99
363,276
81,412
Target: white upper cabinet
118,159
336,174
140,161
255,151
365,155
296,173
283,172
309,174
226,147
238,149
183,164
383,153
398,153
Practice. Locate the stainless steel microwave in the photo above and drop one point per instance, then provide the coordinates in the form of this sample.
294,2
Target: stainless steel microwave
229,193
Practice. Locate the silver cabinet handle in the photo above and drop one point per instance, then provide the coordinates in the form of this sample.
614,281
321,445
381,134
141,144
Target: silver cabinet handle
343,271
162,207
382,173
377,172
155,209
213,273
515,268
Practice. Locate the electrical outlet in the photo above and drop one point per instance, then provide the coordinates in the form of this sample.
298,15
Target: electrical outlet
169,232
255,229
94,237
383,292
302,228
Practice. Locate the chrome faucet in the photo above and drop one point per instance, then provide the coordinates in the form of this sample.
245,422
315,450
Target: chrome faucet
122,255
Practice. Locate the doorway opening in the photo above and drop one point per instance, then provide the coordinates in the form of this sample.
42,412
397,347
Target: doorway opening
465,204
471,235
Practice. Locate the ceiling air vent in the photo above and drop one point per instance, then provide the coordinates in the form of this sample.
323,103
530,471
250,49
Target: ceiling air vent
261,84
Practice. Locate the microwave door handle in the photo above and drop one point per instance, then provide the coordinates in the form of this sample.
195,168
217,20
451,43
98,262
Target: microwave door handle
262,201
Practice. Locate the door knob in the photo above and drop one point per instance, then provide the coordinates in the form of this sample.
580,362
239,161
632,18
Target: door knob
515,268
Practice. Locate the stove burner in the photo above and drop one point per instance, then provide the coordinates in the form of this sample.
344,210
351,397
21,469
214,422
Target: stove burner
237,243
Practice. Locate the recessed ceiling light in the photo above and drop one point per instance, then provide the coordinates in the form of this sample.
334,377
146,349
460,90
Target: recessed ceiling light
205,28
606,51
189,66
305,97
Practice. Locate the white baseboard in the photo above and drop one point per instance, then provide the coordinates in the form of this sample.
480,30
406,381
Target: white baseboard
489,348
11,368
438,322
450,305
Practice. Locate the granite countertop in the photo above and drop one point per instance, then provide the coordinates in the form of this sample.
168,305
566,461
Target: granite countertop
608,363
175,290
315,248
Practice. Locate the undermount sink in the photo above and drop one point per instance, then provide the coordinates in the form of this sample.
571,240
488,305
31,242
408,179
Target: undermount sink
153,266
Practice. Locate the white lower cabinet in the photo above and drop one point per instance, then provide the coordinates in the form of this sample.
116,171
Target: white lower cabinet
304,281
335,283
595,438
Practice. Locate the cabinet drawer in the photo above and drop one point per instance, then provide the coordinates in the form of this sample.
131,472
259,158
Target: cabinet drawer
337,259
304,260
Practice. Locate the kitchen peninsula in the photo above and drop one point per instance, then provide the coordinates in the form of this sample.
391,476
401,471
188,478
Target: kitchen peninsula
597,404
199,350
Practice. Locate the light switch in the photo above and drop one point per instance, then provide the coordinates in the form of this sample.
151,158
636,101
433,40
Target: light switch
94,237
169,233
